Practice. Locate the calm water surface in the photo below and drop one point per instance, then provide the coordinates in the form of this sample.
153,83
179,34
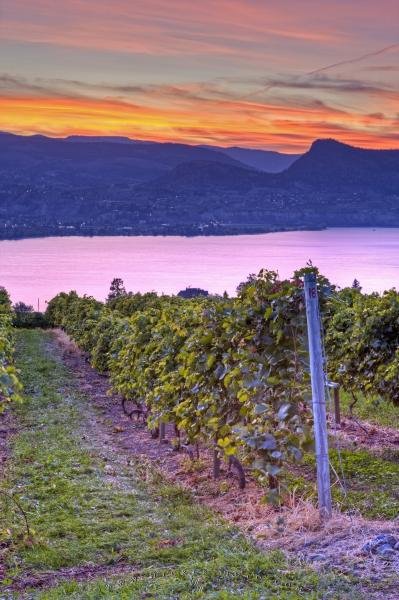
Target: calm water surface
37,269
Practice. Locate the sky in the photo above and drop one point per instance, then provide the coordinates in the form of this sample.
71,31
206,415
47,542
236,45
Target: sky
255,73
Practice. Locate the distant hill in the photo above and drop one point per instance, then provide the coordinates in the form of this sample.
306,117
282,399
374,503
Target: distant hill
262,160
209,175
327,167
101,160
339,166
117,139
68,187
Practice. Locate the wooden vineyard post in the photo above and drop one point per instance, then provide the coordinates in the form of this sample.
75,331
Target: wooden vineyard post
337,406
216,464
318,396
162,431
337,402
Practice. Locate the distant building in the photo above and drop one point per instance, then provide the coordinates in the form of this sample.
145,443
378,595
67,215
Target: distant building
191,292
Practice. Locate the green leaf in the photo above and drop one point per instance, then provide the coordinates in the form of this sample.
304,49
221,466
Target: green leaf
268,313
210,361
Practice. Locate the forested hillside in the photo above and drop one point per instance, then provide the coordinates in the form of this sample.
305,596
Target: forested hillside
70,187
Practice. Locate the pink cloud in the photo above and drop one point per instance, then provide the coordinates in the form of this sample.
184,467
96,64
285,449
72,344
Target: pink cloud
298,70
238,27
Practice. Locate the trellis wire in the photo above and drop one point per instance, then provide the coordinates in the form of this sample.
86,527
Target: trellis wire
342,483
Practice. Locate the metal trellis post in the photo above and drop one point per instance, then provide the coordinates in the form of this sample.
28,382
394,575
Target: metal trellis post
318,396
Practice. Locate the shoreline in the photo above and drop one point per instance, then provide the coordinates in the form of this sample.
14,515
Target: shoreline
174,234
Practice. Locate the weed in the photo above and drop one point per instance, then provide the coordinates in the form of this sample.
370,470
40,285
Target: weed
373,409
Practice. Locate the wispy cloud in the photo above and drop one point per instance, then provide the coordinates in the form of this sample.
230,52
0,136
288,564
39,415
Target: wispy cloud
212,91
317,79
249,72
195,113
237,27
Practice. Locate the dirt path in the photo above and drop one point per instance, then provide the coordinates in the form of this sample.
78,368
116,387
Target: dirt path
377,438
296,530
85,573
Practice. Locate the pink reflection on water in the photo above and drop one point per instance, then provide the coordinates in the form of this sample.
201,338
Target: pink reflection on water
40,268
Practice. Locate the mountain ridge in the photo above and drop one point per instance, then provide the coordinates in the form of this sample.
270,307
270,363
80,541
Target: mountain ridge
268,161
60,187
265,160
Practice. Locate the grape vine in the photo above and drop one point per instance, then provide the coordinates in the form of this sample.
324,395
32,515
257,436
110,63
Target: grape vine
9,383
362,342
230,373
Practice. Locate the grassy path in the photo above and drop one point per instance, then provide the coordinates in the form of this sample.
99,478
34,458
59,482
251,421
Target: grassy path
101,531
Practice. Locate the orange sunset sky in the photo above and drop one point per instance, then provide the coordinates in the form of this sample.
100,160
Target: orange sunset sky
273,75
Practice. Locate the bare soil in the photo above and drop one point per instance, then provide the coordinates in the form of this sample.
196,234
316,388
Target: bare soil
81,573
368,435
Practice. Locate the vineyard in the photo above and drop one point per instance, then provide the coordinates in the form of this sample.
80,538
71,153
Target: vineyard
228,373
217,380
9,384
232,373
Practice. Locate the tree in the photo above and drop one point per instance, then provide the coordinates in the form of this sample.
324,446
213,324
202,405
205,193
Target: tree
356,285
4,297
117,289
22,307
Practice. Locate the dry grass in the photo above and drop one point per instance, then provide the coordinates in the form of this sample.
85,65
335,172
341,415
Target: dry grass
300,521
67,346
336,543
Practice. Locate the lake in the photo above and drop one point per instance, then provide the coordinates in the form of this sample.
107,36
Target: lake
34,270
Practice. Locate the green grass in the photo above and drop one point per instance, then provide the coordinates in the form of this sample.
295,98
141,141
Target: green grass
372,483
375,410
81,515
369,484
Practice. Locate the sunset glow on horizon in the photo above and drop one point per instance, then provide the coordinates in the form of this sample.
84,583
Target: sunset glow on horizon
273,75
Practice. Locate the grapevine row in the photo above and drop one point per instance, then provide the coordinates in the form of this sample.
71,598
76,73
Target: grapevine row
9,383
229,373
232,373
362,340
